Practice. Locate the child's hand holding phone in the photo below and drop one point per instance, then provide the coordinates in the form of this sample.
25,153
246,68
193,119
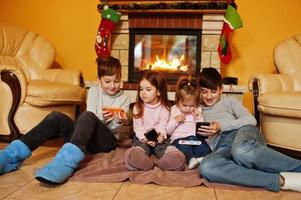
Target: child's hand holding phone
151,135
212,129
162,137
200,126
149,142
120,116
109,113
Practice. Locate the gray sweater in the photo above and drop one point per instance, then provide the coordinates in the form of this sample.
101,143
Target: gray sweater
97,99
230,114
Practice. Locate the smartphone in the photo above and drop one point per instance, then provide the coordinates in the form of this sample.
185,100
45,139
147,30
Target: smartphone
198,125
113,110
152,135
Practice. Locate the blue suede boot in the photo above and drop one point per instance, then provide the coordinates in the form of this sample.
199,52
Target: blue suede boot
13,155
62,166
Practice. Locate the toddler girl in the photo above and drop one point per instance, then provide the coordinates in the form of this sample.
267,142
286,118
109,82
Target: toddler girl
152,111
182,124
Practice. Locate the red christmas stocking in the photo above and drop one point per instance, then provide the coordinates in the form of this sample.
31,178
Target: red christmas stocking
110,19
223,49
232,22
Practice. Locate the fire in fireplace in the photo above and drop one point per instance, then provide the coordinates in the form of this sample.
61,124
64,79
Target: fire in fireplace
174,52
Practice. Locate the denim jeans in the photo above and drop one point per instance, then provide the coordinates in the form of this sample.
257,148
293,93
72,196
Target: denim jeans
88,132
192,151
241,157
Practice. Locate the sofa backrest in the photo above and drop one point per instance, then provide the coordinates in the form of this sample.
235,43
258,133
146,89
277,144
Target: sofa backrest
287,58
25,50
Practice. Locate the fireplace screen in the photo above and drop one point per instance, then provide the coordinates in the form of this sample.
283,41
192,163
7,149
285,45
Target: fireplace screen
173,52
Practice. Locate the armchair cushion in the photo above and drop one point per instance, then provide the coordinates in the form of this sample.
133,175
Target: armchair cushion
46,93
285,104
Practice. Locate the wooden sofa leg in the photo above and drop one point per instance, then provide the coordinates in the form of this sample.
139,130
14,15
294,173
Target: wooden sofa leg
12,81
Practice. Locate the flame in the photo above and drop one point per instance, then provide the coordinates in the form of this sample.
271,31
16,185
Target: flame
174,64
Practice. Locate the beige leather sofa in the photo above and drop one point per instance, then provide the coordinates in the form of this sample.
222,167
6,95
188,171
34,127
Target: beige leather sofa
29,88
278,96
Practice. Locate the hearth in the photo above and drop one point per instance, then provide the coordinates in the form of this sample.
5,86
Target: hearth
174,52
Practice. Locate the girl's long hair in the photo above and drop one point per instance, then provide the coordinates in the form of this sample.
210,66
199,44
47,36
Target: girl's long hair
157,80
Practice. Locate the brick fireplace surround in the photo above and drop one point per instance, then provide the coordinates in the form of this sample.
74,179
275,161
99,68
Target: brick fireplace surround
209,22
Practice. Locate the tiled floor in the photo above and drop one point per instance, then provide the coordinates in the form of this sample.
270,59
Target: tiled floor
22,185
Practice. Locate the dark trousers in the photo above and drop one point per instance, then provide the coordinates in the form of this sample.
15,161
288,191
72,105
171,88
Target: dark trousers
88,132
158,150
192,151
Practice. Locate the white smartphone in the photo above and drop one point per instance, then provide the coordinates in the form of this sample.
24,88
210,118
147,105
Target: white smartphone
190,142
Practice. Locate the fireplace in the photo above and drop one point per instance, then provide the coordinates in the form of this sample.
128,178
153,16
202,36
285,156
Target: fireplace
201,19
174,52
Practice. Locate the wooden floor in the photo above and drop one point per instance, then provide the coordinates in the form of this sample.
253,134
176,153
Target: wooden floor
22,185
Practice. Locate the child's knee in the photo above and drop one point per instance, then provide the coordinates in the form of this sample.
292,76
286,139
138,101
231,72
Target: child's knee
208,167
245,151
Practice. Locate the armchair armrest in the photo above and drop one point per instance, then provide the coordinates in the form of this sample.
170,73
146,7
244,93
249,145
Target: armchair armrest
71,76
16,77
16,81
271,83
264,83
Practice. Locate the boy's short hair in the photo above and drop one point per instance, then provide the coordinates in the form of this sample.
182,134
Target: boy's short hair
210,78
108,66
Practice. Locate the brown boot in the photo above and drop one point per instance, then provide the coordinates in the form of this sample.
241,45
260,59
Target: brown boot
136,159
173,159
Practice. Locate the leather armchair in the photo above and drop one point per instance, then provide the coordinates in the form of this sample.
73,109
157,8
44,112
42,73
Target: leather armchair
29,87
277,97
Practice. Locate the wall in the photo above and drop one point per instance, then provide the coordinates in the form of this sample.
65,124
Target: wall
266,23
71,26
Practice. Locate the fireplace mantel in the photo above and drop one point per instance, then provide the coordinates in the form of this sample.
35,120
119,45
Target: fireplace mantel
168,6
210,25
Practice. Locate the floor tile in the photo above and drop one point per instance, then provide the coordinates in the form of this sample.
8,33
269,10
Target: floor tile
69,190
222,194
152,191
12,181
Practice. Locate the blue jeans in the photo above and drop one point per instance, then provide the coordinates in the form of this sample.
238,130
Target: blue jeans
192,151
241,157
